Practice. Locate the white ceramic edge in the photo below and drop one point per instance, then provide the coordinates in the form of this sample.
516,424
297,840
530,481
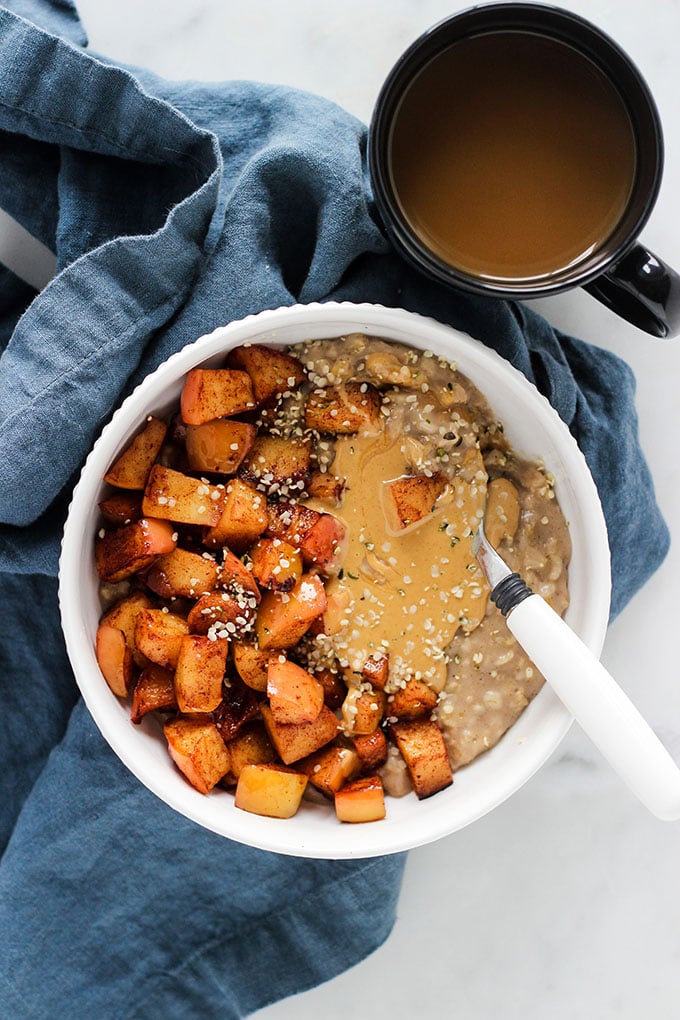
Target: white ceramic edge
330,839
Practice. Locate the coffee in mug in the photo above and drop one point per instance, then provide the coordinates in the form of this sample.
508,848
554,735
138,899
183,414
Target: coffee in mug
516,151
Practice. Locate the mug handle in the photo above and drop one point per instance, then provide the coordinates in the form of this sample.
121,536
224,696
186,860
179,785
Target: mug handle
644,290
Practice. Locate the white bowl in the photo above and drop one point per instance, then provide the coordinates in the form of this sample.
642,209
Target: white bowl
533,428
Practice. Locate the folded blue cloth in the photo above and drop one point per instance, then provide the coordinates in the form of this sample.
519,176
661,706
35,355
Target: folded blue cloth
174,208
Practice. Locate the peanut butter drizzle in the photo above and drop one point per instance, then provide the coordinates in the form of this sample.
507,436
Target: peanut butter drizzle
407,592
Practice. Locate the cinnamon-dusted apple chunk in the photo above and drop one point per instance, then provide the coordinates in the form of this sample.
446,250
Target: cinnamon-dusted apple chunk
219,446
182,573
277,465
343,410
423,749
158,635
199,673
210,393
198,751
124,551
295,696
297,740
411,499
271,790
153,692
283,617
242,520
132,467
272,371
174,496
115,659
361,800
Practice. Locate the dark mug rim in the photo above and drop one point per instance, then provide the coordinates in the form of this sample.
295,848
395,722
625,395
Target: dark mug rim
589,40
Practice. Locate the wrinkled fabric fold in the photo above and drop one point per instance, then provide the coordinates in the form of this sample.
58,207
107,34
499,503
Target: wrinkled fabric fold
173,208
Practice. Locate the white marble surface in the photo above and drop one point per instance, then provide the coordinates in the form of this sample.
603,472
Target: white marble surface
565,902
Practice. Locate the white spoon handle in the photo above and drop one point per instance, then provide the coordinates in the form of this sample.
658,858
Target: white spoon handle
599,705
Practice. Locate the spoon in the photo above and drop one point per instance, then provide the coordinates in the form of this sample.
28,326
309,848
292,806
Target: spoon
584,686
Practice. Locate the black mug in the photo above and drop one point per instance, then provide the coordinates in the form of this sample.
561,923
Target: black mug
406,142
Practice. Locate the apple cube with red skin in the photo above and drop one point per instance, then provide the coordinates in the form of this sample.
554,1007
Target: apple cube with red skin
295,696
423,749
273,372
361,800
181,573
319,536
131,469
198,751
284,617
270,790
407,501
153,692
242,520
174,496
275,564
199,673
158,636
115,659
219,446
343,410
210,393
123,552
293,741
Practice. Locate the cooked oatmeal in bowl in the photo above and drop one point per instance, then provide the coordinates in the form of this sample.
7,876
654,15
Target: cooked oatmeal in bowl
387,685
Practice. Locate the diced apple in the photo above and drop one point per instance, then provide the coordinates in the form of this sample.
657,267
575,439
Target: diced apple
293,741
270,790
219,446
239,705
221,612
376,670
251,664
174,496
283,617
363,708
276,465
121,508
325,486
158,636
324,544
201,664
295,696
423,749
131,469
275,564
243,518
331,767
335,615
210,393
411,499
153,692
290,521
272,371
412,700
235,576
115,659
250,746
198,751
371,749
361,800
181,573
123,552
123,615
334,687
343,410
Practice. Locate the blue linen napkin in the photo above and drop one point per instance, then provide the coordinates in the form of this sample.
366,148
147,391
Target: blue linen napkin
175,207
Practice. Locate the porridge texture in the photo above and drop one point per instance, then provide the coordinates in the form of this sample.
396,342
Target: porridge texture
413,590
